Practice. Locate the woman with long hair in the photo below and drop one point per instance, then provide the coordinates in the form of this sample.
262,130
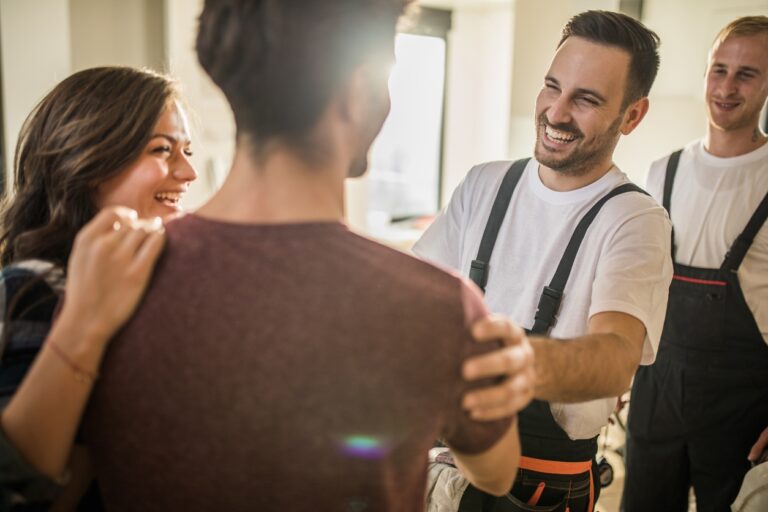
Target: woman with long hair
100,161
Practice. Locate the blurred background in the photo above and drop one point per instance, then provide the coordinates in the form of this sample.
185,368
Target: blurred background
463,88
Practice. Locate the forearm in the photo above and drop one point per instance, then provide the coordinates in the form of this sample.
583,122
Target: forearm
581,369
494,470
42,417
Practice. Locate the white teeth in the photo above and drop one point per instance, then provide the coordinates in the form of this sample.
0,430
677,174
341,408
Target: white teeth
173,197
558,136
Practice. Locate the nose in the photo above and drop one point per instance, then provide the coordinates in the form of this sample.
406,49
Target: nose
184,170
730,86
559,111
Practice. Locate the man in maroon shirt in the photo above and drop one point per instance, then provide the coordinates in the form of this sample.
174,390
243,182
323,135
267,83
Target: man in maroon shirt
279,361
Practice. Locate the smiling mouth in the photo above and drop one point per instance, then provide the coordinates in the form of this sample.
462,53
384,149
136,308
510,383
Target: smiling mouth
726,105
172,199
559,137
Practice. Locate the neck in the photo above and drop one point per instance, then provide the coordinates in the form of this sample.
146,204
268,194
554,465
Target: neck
560,181
729,143
283,188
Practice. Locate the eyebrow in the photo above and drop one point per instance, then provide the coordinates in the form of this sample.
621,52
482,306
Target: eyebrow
720,65
580,90
168,137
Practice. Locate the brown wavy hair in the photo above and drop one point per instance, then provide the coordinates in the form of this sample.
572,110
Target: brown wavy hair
85,131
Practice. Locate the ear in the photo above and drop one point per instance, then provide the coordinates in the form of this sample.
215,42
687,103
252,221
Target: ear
634,114
364,94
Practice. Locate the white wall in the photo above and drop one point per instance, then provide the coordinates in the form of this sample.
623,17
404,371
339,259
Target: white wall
34,37
117,32
477,91
213,128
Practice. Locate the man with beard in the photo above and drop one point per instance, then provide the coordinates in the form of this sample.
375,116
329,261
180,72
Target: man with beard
279,361
696,414
566,246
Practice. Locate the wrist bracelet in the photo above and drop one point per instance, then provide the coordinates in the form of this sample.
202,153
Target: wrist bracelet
81,374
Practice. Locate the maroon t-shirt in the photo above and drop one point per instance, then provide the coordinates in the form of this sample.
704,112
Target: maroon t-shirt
284,367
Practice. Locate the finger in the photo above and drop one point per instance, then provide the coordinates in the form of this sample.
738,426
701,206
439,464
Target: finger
135,236
493,327
512,391
132,240
759,446
505,361
517,401
108,219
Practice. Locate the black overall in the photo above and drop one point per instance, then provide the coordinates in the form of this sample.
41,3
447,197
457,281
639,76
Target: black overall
695,413
556,473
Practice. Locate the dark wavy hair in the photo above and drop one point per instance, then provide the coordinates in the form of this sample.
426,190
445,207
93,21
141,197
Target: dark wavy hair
624,32
85,131
279,62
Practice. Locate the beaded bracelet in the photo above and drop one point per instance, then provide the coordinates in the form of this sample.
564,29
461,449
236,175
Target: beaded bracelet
81,374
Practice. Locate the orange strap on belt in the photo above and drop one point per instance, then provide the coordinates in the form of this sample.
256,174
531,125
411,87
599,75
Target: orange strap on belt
556,467
537,494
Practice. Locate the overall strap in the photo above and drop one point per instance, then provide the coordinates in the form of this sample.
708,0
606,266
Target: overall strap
743,242
551,296
669,181
478,271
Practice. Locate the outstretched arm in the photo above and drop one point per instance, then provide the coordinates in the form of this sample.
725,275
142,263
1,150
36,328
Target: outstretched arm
598,365
109,269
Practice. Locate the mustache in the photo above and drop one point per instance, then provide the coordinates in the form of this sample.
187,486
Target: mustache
561,127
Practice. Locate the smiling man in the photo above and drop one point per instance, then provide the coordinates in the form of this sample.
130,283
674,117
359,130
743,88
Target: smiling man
697,411
567,247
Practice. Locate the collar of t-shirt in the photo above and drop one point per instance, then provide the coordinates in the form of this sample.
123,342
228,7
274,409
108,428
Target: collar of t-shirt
707,158
613,178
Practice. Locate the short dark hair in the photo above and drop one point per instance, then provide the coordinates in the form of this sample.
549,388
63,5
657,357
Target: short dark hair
279,62
624,32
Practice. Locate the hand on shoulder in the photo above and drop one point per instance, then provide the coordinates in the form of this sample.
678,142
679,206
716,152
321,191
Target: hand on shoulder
109,268
513,364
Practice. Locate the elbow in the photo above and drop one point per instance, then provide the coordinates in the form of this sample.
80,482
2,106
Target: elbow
625,382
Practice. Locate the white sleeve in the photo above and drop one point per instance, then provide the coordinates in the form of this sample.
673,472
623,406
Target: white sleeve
654,183
442,242
634,274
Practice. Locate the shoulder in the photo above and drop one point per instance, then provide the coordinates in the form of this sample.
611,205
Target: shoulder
413,276
485,178
635,209
488,173
482,183
658,170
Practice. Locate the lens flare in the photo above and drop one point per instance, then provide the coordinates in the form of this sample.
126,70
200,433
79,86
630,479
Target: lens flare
364,447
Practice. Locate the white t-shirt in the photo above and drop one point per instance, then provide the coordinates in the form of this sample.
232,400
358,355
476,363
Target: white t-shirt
712,201
623,264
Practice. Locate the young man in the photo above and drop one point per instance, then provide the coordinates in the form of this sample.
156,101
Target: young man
696,412
576,228
278,361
